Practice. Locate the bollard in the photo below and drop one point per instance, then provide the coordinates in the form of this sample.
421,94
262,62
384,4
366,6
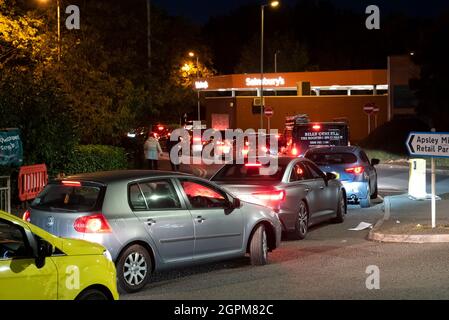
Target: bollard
417,179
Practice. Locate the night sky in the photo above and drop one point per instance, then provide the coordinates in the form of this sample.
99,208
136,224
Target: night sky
200,10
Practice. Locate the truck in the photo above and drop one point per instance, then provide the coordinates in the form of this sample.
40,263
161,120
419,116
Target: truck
301,134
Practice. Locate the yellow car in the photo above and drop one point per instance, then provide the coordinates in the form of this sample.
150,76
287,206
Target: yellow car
35,265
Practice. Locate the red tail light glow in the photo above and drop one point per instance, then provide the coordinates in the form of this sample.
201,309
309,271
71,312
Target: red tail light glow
295,151
277,195
71,183
355,170
316,127
92,224
253,165
160,128
26,216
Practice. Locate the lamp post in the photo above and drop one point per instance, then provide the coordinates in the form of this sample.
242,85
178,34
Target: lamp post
58,13
191,55
272,4
276,66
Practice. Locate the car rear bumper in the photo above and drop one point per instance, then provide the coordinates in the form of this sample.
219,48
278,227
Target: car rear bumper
356,190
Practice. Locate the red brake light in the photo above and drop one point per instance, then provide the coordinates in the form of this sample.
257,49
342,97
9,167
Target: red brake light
294,151
92,224
26,216
355,170
253,165
71,183
277,195
316,127
160,128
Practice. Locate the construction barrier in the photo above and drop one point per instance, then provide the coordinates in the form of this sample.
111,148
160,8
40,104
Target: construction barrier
5,194
32,180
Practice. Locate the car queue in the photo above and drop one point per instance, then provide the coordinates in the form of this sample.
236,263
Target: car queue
136,222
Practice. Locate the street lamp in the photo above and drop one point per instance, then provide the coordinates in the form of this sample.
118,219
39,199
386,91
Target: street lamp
272,4
191,55
58,6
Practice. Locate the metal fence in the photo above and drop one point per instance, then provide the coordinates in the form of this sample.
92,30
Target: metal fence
5,194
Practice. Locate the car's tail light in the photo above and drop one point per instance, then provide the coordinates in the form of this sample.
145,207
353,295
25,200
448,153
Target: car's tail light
355,170
277,195
70,183
92,224
294,151
316,127
26,216
253,165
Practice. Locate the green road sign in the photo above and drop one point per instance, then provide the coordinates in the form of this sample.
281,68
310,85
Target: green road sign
11,151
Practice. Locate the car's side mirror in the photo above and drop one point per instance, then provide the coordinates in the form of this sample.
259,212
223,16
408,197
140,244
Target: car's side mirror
236,203
44,250
231,205
375,162
330,176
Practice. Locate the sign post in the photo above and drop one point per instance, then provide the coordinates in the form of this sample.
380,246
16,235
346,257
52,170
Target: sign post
268,113
376,110
429,144
369,108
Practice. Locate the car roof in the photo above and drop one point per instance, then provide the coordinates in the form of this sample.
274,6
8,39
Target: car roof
282,160
334,149
107,177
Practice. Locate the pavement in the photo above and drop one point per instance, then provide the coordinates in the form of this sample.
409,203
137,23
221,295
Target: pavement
408,220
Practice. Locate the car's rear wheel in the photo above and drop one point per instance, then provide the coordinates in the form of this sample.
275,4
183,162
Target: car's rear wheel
341,210
134,268
376,192
302,222
92,294
259,246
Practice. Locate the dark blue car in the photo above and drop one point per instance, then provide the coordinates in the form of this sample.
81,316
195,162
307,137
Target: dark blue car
352,167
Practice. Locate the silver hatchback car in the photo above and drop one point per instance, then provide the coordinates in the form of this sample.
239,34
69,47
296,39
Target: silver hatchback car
153,220
299,192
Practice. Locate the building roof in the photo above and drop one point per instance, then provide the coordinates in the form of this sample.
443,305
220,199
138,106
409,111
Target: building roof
289,80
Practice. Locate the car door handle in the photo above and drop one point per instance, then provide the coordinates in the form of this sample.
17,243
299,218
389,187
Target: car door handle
150,222
306,189
200,219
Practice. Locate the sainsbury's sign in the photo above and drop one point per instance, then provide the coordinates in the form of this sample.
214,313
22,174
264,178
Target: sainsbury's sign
272,82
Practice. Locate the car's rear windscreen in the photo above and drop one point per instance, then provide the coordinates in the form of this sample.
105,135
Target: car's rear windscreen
331,158
58,197
242,172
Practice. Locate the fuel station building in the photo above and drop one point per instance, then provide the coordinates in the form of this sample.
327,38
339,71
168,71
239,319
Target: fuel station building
233,101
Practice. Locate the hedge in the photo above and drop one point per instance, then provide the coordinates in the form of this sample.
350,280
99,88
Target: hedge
92,158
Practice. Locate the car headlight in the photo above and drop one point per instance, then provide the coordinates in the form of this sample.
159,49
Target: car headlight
107,254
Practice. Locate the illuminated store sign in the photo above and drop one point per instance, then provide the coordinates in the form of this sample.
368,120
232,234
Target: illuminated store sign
271,82
201,84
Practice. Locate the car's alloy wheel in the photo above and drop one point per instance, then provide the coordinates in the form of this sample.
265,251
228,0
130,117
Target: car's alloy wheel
302,222
134,268
259,246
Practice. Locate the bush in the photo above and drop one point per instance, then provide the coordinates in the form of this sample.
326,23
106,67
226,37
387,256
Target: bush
92,158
